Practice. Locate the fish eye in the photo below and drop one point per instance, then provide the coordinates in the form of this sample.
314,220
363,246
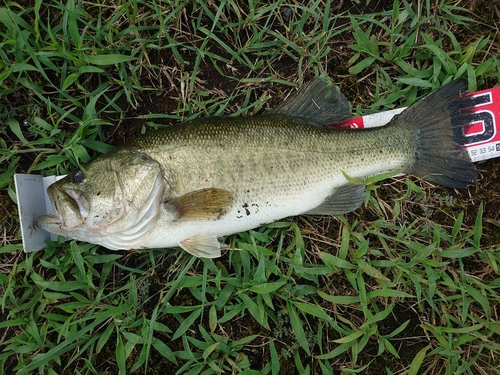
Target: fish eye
78,176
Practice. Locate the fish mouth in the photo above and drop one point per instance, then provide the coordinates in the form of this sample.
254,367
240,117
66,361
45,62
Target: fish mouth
50,222
70,210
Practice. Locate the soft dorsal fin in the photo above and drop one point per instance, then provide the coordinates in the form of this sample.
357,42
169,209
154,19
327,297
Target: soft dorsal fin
345,198
204,204
317,100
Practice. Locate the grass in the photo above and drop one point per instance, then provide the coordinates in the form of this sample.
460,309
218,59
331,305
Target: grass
408,284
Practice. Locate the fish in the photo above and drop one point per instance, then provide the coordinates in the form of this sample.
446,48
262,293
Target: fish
190,184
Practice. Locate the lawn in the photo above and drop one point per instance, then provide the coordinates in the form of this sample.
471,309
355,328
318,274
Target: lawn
407,284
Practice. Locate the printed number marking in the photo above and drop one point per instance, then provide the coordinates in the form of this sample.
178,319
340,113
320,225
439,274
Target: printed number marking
477,124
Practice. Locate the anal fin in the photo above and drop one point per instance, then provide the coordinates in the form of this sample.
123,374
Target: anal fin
202,245
345,198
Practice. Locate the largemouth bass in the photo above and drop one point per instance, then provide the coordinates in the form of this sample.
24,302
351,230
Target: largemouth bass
191,183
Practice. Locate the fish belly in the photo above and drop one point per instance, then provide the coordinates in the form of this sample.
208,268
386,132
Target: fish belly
248,212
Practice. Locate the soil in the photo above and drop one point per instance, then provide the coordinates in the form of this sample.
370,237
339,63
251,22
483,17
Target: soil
164,98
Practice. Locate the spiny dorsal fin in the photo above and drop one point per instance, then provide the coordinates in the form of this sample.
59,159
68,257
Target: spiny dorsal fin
202,245
204,204
344,199
317,100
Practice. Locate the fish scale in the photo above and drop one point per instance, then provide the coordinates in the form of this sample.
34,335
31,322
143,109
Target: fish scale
267,147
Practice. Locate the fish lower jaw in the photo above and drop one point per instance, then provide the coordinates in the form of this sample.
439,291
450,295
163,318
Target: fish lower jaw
51,223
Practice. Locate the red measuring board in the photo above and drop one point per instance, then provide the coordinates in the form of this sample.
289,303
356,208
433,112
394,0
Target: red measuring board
477,112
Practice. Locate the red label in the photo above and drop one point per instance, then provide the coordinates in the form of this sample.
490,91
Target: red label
350,123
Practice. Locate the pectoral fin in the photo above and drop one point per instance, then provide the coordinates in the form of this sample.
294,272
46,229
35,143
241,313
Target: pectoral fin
344,199
202,246
204,204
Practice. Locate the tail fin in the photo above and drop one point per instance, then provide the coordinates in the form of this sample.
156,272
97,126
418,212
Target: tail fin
439,157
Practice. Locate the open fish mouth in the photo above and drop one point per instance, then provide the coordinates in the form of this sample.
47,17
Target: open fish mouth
51,223
51,219
70,210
